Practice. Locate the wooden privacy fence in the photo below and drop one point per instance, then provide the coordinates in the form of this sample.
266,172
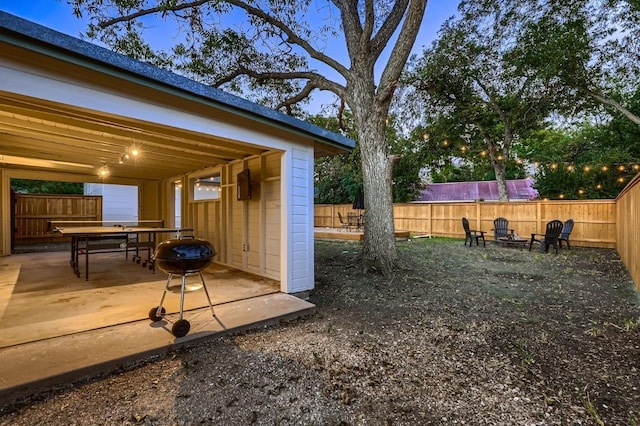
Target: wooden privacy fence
595,220
32,213
628,220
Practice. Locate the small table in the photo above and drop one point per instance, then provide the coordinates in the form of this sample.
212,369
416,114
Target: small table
86,240
513,242
356,220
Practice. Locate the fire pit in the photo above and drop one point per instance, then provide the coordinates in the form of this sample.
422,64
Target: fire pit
181,257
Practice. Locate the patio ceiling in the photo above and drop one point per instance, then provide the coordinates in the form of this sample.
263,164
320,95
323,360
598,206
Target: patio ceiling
41,135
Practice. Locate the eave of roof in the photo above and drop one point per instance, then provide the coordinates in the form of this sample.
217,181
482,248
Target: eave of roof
32,36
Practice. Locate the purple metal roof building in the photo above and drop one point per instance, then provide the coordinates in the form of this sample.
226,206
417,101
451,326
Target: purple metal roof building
518,189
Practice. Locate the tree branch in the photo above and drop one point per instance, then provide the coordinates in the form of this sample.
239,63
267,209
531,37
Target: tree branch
615,105
402,48
369,23
390,26
253,11
351,23
292,36
144,12
304,93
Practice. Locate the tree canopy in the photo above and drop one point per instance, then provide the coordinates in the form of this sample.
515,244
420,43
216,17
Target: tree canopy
29,186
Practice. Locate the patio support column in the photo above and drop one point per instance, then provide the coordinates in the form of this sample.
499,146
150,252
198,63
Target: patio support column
6,227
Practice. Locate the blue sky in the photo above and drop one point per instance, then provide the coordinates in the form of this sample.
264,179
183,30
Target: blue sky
58,15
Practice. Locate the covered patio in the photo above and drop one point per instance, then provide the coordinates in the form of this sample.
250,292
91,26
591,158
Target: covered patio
58,328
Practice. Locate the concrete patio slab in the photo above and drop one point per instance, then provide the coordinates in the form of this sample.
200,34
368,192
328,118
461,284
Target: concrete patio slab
40,365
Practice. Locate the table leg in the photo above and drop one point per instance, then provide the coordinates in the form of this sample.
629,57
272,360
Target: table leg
74,255
86,259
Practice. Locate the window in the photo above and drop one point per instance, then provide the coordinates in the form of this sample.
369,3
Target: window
207,187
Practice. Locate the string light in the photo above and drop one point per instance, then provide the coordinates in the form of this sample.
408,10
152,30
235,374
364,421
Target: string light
131,152
587,169
103,171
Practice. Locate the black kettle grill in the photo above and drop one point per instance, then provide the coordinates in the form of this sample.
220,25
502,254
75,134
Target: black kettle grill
182,256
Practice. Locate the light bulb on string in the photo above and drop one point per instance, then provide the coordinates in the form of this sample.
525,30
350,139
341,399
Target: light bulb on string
103,171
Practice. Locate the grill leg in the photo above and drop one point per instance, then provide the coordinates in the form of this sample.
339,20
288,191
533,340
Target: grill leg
164,293
184,280
207,293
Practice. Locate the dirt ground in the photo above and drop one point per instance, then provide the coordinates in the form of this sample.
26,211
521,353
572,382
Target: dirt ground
458,335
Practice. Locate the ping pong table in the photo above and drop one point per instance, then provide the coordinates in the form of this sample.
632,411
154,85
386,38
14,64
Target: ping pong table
86,240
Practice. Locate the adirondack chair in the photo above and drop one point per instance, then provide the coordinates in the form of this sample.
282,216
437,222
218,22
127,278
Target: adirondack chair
472,234
564,235
501,228
549,238
345,224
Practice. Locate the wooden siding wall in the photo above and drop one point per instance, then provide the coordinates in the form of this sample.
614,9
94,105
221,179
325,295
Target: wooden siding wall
628,219
595,220
245,234
301,225
34,211
271,178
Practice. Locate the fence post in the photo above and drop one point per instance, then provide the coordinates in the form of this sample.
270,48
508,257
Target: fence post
539,217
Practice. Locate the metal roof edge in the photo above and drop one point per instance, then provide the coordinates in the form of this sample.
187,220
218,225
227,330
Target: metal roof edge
57,41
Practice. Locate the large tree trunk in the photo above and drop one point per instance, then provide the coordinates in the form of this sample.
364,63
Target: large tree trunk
498,160
501,179
379,248
379,253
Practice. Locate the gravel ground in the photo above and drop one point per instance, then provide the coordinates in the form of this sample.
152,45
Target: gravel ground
458,335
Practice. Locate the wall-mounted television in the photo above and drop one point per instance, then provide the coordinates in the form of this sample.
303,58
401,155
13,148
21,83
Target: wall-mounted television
244,185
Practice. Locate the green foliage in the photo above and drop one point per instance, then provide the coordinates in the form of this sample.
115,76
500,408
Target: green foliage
590,47
482,104
25,186
591,162
337,178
